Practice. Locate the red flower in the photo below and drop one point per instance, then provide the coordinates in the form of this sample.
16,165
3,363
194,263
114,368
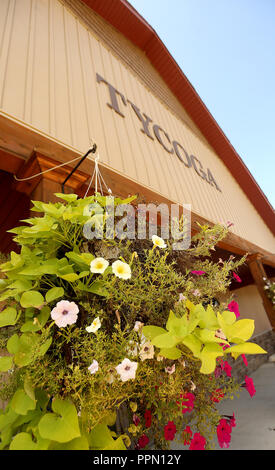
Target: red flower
198,442
233,306
217,395
238,279
187,435
227,368
244,359
224,433
198,273
170,431
188,403
148,418
143,441
249,385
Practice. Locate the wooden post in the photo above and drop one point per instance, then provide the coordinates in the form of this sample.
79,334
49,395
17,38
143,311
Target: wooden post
258,272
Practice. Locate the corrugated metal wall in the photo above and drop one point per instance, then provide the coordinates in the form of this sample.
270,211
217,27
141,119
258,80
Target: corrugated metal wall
48,64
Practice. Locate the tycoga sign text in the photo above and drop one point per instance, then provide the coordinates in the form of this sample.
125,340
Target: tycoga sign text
152,131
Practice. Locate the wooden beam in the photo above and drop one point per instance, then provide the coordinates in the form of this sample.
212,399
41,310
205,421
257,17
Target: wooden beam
258,272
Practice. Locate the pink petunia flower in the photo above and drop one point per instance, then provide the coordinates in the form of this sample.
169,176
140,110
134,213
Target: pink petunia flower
238,279
224,433
170,369
188,402
65,313
249,385
170,431
227,368
233,306
244,359
198,273
198,442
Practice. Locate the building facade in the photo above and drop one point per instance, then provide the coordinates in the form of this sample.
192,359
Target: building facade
78,72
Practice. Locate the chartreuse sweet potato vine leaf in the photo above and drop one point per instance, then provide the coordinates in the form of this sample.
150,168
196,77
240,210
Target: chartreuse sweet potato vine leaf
8,317
197,330
61,425
23,441
101,438
21,403
5,363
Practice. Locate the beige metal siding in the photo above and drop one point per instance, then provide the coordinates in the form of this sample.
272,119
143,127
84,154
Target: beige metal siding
251,306
48,64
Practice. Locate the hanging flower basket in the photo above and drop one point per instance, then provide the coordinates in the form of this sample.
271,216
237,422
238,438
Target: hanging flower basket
111,344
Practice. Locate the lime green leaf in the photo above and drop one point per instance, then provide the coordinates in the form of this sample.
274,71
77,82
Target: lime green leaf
8,316
245,348
101,438
208,336
29,389
208,317
110,419
176,326
54,293
167,340
151,332
13,344
67,197
71,277
61,425
193,343
240,331
229,317
98,287
171,353
208,357
8,418
21,403
37,323
23,441
44,347
79,443
5,363
31,298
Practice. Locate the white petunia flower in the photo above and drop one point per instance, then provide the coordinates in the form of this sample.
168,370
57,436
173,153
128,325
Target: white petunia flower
138,326
147,351
127,369
121,269
158,241
98,265
65,313
95,325
93,368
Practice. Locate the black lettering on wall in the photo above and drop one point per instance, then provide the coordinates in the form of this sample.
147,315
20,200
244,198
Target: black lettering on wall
200,171
211,180
113,95
176,146
144,120
157,130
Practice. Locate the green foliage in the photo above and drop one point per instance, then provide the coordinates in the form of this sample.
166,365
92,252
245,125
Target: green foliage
56,401
197,330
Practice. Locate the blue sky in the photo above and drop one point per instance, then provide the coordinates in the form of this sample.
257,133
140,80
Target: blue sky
226,48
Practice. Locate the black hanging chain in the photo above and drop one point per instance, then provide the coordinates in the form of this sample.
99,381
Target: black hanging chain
92,150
